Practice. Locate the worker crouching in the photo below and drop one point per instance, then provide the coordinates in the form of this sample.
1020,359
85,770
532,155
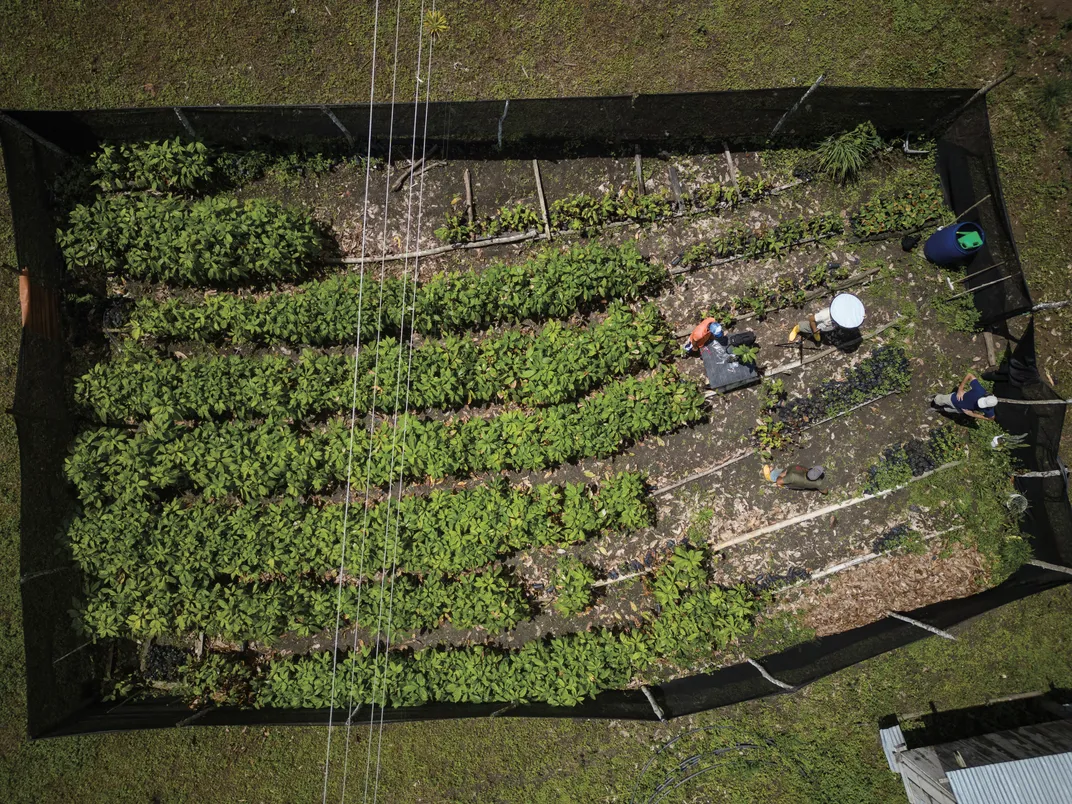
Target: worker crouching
801,478
845,312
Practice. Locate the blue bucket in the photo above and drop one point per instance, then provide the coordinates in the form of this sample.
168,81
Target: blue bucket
943,248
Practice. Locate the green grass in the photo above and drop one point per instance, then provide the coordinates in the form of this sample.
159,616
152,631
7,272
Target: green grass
83,54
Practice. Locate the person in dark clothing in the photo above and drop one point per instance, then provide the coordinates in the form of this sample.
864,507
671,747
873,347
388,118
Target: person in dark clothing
970,399
801,478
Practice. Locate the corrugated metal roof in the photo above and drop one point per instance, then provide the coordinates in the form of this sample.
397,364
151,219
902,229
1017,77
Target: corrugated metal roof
1038,780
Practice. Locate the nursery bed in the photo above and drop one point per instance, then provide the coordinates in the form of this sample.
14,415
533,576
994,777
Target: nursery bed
897,287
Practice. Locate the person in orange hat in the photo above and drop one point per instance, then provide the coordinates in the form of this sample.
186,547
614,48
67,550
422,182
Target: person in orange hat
702,334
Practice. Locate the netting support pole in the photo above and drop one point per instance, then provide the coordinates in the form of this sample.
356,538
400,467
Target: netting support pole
763,672
1048,566
924,626
1001,79
797,105
33,135
72,652
658,710
195,716
29,576
185,123
338,124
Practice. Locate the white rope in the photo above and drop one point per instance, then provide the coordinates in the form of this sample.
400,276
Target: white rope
405,415
372,408
353,420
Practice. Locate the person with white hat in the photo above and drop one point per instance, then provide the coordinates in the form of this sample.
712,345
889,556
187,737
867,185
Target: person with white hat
845,311
971,399
801,478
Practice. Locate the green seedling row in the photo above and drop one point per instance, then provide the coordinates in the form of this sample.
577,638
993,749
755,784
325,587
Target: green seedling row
257,460
445,531
694,618
146,603
553,284
557,364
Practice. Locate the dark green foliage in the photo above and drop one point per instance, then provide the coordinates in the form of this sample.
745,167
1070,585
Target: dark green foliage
909,210
555,365
554,284
884,371
587,214
562,670
572,581
171,239
165,166
441,532
844,156
258,460
971,500
142,603
902,462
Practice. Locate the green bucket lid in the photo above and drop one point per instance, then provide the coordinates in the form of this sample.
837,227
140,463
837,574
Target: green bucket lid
969,239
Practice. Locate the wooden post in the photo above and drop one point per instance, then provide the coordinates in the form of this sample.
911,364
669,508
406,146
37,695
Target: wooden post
543,201
729,161
675,188
991,351
639,174
468,195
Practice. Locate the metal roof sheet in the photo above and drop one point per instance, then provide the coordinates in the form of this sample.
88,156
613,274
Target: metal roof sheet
1038,780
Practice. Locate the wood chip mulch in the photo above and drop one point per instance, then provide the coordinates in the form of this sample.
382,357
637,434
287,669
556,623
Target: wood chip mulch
864,594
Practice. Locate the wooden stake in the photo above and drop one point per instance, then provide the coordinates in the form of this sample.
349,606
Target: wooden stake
468,195
405,176
639,174
543,201
729,161
991,350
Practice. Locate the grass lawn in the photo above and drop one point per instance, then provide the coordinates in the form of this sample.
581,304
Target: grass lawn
823,739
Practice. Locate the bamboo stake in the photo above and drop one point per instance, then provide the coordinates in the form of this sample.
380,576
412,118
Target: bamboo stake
977,273
468,195
1035,401
532,234
829,509
543,201
973,206
992,85
980,287
729,161
796,105
639,174
741,456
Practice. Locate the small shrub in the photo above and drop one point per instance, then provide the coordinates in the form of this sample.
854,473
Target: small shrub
844,156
